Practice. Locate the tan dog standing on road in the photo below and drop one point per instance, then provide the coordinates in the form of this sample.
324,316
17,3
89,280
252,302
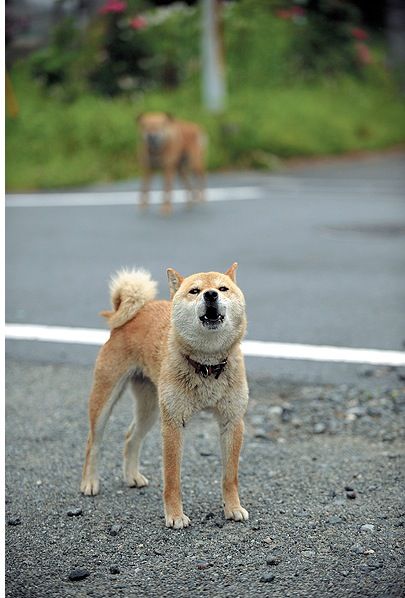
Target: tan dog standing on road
173,146
183,356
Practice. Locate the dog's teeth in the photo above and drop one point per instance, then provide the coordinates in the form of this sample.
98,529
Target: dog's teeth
218,318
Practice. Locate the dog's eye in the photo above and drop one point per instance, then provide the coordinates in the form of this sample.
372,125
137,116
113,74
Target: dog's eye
194,291
223,289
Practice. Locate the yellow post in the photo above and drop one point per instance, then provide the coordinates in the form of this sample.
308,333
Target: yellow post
11,100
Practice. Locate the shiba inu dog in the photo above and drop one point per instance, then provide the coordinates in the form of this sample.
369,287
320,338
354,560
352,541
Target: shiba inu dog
180,356
173,146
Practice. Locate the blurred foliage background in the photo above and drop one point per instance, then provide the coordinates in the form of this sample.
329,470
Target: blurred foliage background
304,78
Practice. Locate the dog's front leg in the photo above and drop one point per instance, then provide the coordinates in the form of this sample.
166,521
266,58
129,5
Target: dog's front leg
168,176
172,450
231,443
145,185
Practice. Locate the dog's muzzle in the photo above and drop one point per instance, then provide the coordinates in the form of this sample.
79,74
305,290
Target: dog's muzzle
154,141
212,317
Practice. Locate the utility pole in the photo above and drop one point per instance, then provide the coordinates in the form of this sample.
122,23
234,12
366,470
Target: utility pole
213,63
395,24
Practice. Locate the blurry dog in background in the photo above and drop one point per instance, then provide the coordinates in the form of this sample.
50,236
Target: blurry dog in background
174,147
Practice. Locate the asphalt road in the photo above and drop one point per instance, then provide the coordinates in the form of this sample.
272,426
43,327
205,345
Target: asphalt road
305,446
320,251
321,254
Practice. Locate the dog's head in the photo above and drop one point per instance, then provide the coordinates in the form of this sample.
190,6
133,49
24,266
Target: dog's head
208,309
156,128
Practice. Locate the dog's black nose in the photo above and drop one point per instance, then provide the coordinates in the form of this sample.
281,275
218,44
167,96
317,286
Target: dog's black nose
210,296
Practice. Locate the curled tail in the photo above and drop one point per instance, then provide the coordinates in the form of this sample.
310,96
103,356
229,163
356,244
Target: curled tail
130,290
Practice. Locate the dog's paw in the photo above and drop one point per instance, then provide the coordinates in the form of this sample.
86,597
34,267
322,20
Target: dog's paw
90,487
136,480
177,521
237,514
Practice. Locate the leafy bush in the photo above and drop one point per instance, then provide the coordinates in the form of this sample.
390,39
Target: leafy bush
126,49
52,65
144,52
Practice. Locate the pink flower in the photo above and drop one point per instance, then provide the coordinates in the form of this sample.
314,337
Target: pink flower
113,6
359,33
297,11
138,23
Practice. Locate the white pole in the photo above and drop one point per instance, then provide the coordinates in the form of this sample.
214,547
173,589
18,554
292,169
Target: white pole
213,76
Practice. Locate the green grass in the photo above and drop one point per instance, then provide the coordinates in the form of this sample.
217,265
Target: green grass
56,144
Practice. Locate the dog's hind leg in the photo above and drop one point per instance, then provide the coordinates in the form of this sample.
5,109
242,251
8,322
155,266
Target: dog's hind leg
185,177
197,168
108,385
146,410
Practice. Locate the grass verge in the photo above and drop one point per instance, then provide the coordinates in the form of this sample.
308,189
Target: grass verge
58,144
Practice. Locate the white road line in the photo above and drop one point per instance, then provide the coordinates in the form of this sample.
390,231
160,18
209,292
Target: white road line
323,353
287,187
95,336
56,334
116,198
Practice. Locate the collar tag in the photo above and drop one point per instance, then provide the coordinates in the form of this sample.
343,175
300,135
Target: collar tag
207,370
204,370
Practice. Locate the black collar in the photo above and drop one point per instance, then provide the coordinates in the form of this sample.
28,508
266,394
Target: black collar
207,370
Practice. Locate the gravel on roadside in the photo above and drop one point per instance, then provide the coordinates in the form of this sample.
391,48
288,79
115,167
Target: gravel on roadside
321,475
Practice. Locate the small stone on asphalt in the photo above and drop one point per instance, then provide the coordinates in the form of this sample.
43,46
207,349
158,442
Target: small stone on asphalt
14,521
75,512
319,428
78,574
374,565
261,434
357,549
115,529
267,578
367,527
274,560
335,519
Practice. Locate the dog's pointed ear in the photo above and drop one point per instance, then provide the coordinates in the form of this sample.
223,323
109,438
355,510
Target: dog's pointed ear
169,115
175,280
231,272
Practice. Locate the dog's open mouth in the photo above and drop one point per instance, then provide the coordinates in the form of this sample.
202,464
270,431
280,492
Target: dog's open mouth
212,318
